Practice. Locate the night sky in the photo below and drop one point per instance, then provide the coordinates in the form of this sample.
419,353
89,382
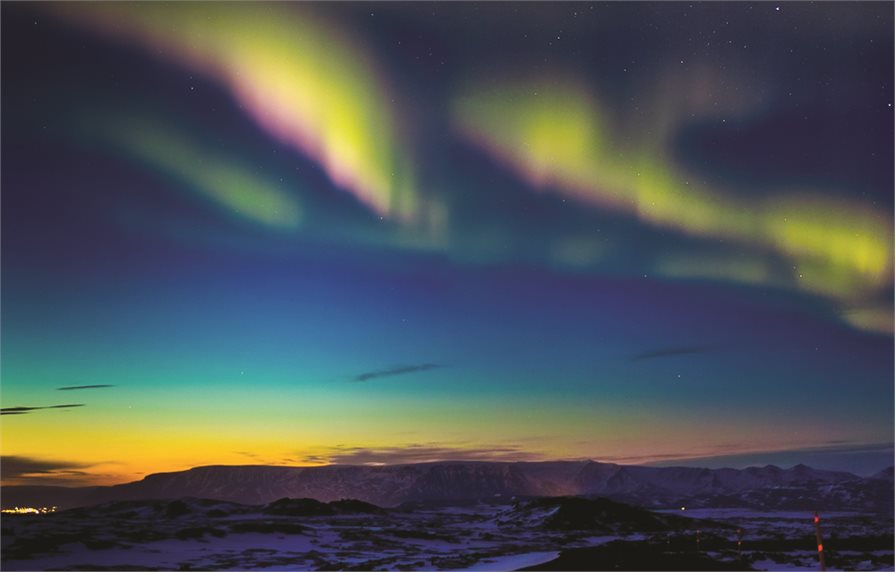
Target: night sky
380,233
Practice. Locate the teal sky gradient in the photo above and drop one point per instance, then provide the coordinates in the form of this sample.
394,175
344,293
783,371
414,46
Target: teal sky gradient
286,265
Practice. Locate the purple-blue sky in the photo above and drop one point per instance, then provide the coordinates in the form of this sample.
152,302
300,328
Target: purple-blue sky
378,233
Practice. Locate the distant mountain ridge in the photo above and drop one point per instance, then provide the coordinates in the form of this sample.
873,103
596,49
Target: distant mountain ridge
769,487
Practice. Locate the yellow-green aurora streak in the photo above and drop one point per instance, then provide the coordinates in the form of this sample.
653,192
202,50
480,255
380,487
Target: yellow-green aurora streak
219,179
553,133
304,82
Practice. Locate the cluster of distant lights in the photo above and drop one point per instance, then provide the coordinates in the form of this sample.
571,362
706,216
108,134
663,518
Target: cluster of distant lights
28,510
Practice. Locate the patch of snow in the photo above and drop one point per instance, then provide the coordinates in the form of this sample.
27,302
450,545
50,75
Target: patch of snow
781,566
514,561
166,554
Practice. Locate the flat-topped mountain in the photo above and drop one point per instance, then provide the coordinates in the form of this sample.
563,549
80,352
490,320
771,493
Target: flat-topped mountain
769,487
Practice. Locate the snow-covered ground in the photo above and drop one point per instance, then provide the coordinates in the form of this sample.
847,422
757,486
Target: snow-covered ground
201,535
515,561
171,554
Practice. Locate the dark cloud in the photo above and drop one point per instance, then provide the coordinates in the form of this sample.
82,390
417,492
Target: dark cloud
398,370
21,470
857,458
655,458
670,352
264,460
17,410
23,410
74,387
419,453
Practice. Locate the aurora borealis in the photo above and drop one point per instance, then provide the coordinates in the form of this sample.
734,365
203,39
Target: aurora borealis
305,233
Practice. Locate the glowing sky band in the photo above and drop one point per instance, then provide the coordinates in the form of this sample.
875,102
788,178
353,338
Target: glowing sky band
552,133
221,180
304,82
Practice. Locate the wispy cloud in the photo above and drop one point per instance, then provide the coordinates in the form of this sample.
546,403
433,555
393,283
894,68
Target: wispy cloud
858,458
419,453
76,387
24,410
21,470
397,370
670,352
660,457
268,459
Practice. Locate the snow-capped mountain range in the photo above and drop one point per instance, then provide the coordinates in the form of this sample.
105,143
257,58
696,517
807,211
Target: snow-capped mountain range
769,487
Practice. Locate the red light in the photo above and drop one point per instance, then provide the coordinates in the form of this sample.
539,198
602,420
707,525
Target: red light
820,547
816,519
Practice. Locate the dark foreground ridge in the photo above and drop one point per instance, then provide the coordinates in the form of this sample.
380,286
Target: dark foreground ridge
620,555
556,533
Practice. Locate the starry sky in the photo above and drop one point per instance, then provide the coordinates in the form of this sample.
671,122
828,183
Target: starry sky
302,234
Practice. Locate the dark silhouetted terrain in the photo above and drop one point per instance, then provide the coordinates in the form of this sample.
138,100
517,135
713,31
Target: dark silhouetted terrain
769,487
